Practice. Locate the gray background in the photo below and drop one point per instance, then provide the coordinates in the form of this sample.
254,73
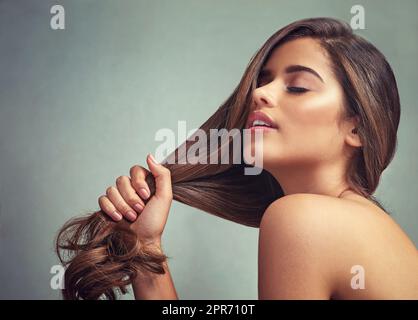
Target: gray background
80,106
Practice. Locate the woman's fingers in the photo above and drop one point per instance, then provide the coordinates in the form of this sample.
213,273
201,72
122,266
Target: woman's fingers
128,193
107,207
162,179
138,175
120,204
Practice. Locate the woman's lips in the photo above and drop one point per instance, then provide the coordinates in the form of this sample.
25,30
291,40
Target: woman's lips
259,120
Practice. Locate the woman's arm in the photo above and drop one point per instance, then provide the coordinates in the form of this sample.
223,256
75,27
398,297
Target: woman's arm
133,193
151,286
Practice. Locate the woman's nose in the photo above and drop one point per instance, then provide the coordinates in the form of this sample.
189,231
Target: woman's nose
262,98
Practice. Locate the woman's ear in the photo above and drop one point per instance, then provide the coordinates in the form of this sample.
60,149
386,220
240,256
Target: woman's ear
352,137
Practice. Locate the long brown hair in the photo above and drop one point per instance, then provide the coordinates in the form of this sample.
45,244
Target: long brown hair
103,256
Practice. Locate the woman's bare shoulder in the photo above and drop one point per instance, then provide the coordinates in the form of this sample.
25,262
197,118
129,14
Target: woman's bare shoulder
340,235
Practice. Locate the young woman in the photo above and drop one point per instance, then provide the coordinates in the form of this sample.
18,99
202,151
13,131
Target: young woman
330,110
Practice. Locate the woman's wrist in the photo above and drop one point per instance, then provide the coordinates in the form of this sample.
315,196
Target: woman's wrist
153,246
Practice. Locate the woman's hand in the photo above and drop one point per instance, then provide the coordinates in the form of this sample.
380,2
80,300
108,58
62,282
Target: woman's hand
127,200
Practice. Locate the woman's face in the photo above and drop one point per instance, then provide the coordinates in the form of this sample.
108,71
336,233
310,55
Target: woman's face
302,97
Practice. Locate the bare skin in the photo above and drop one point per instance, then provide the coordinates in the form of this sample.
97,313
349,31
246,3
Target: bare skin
311,238
309,243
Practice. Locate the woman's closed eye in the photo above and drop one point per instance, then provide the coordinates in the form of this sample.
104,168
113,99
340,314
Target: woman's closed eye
296,89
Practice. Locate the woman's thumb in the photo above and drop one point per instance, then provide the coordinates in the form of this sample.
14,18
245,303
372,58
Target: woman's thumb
162,178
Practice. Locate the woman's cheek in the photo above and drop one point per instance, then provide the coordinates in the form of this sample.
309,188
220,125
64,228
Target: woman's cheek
308,127
319,111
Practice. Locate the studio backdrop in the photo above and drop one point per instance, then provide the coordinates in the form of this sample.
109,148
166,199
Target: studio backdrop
83,94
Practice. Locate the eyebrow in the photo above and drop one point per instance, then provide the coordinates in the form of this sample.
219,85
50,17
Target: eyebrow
293,69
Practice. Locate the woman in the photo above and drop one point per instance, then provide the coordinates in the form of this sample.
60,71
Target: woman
330,108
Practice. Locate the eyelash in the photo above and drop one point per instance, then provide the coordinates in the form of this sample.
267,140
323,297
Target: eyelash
292,90
297,90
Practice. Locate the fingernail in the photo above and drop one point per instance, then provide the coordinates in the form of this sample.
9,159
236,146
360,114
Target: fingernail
131,215
138,207
116,215
144,193
153,159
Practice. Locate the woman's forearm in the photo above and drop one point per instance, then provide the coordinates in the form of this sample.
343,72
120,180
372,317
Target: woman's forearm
151,286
